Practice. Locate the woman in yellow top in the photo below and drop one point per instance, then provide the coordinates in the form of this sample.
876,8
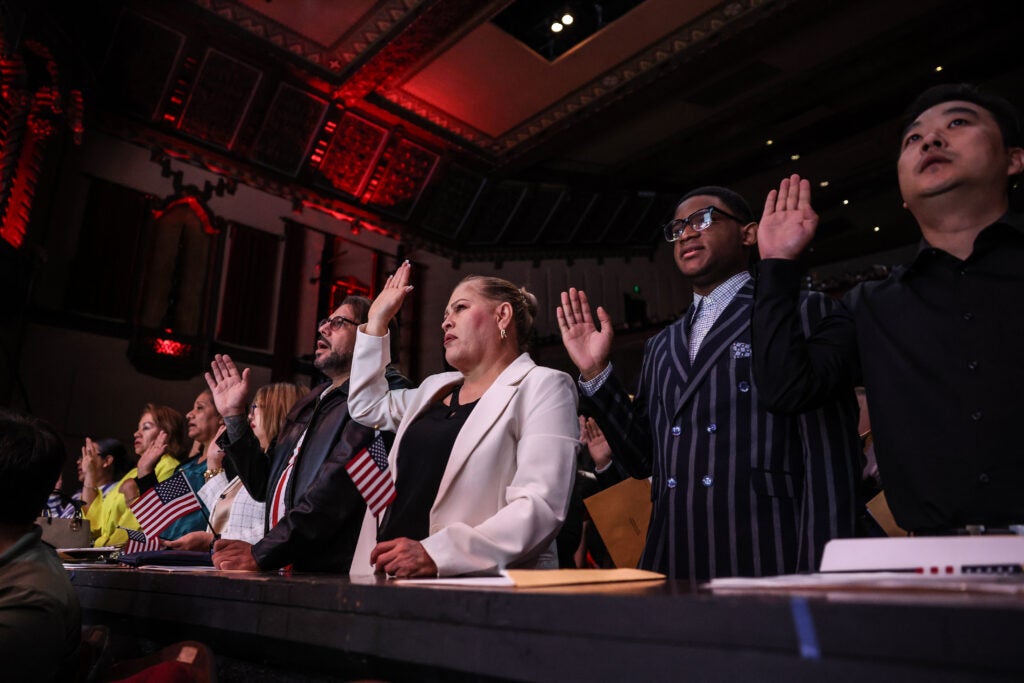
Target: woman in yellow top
161,430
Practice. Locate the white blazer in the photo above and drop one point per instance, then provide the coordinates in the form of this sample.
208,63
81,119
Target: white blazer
505,491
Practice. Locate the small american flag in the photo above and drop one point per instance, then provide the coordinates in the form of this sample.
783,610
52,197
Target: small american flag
138,543
369,472
166,502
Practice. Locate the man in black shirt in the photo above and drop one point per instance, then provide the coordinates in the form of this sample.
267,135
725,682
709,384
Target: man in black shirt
939,345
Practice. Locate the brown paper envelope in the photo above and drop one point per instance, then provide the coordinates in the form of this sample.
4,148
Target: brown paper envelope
621,514
878,507
533,578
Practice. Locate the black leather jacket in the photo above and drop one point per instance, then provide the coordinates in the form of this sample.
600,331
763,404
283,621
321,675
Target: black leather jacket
324,509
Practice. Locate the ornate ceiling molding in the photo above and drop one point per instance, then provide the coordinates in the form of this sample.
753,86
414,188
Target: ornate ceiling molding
378,26
685,43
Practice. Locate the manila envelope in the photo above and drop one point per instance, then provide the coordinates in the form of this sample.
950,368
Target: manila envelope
878,507
621,514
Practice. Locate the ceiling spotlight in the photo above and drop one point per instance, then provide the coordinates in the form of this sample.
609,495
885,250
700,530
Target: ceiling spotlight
556,27
845,202
769,142
567,19
823,183
877,228
938,68
794,157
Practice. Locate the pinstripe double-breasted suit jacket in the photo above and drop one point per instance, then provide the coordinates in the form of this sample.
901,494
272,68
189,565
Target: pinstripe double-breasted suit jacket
736,490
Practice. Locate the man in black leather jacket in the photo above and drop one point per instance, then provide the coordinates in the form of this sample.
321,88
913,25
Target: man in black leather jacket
314,511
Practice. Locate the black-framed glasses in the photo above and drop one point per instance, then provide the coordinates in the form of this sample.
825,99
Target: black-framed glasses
699,220
337,322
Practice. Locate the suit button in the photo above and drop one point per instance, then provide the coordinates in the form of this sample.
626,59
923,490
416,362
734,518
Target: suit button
671,483
712,428
744,387
983,478
677,430
707,480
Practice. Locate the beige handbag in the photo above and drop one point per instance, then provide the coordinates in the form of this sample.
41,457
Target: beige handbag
65,532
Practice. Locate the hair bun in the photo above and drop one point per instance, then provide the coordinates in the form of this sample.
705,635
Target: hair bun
529,301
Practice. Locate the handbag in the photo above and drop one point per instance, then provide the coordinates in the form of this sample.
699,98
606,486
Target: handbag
65,532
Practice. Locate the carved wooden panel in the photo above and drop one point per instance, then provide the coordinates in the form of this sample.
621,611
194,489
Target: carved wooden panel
141,63
219,99
404,170
352,154
288,129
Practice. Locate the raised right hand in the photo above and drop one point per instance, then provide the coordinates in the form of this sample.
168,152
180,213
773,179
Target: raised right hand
593,438
92,464
789,222
148,459
230,388
588,347
389,301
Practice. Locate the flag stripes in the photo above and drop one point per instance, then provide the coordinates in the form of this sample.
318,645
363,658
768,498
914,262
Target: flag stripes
165,503
369,472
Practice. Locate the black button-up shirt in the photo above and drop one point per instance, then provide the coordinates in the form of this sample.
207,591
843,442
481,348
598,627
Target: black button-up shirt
939,347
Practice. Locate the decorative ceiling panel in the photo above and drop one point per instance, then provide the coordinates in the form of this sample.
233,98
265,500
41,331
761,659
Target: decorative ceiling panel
302,33
288,129
219,99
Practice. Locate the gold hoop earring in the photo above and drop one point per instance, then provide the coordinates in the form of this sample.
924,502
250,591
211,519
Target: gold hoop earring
504,334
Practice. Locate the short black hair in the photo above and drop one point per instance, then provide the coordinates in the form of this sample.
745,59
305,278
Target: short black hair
31,458
737,204
1006,115
361,305
115,449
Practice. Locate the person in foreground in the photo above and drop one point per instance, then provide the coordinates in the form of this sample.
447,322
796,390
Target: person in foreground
40,620
484,457
736,490
937,345
313,509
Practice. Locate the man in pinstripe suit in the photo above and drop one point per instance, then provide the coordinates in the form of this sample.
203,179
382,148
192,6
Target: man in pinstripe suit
736,490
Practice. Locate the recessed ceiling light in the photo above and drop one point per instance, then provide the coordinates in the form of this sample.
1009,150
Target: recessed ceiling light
794,157
877,228
769,142
823,183
556,27
567,19
845,202
938,68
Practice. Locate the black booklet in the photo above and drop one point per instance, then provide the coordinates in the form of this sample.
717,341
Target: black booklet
168,558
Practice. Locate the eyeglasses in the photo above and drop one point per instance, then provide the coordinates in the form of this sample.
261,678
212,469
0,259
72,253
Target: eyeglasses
336,323
699,220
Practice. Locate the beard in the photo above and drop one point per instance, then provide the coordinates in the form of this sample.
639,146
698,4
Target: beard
333,363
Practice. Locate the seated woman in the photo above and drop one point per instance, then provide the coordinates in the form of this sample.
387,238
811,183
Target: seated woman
484,457
233,512
160,439
100,467
204,425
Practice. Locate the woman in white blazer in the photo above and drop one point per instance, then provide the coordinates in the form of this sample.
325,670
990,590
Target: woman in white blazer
484,458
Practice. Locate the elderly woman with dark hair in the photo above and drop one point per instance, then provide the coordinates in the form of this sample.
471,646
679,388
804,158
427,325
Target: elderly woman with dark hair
484,457
160,438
